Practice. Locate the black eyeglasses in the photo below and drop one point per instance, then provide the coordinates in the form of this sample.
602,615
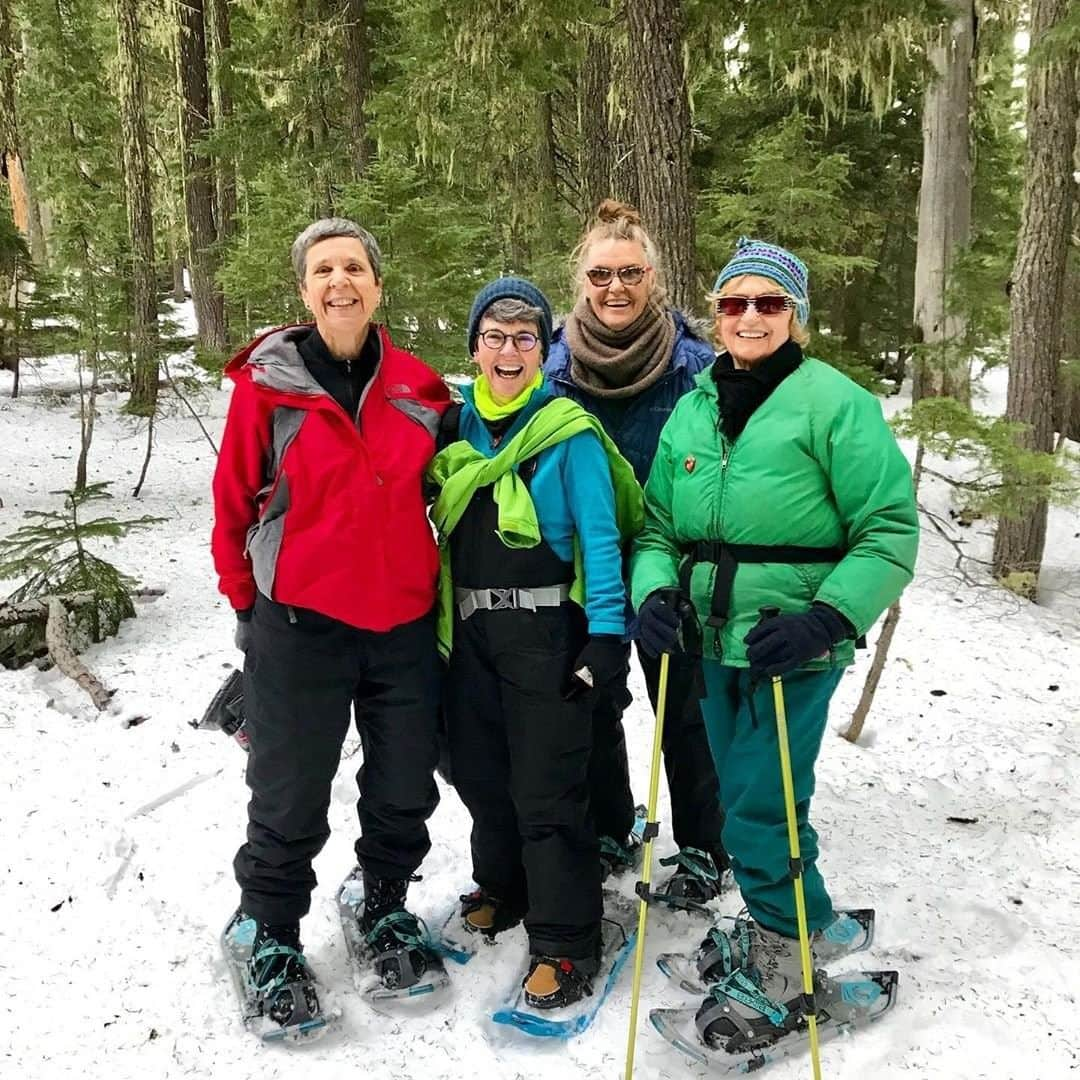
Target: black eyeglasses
732,306
628,275
523,340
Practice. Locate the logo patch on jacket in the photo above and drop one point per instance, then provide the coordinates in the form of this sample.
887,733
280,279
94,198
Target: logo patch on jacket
690,463
399,388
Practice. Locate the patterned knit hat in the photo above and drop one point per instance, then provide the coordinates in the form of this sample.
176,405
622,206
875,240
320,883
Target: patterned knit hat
768,260
510,288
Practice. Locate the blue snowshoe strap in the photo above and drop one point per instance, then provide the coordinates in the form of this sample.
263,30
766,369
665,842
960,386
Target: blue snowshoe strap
414,937
615,851
268,974
738,986
693,861
724,951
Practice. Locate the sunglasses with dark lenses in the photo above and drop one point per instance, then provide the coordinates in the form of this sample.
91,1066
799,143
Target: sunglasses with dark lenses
763,305
523,341
628,275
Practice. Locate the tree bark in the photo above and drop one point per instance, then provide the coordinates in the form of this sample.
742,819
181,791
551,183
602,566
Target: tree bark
221,45
357,57
661,125
1067,396
944,208
198,176
144,385
594,88
1037,287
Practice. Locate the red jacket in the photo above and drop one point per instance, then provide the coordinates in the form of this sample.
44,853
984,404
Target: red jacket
318,512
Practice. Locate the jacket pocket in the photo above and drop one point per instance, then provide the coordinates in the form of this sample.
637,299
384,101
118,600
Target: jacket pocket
265,537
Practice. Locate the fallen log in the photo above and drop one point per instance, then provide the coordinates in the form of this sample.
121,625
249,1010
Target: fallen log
66,659
37,609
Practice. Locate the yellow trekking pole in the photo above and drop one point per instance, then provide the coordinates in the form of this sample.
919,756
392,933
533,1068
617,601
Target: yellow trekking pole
796,860
652,827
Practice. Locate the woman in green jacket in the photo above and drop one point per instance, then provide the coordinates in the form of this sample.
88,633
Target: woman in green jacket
777,485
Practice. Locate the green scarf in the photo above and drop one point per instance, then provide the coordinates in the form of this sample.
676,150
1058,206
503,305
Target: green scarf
490,409
460,471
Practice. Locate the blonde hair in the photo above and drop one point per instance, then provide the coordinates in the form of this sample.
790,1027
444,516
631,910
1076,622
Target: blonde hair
616,220
799,334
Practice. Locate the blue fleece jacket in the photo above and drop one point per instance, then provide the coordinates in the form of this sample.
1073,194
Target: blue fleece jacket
573,495
634,423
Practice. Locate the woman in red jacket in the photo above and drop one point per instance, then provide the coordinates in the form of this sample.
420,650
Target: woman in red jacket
323,548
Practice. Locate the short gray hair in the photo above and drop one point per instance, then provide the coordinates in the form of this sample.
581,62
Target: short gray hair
324,229
508,310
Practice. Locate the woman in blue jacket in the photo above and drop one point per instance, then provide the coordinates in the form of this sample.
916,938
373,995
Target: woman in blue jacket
627,357
531,505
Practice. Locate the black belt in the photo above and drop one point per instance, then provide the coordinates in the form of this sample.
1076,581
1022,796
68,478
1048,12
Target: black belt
727,558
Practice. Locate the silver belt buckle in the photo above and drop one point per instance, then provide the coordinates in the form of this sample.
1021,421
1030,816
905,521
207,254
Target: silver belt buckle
501,599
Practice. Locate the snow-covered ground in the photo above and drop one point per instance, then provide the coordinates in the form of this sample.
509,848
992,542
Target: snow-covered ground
116,843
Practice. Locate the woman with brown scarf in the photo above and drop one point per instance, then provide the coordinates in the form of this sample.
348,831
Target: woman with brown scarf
628,357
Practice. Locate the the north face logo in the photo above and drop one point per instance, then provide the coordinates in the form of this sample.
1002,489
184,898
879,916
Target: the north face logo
399,388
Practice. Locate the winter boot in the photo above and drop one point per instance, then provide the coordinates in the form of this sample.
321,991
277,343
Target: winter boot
616,857
485,914
762,1001
398,941
279,976
697,880
553,982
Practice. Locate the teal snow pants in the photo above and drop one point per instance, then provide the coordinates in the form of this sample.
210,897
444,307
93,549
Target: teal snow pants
742,739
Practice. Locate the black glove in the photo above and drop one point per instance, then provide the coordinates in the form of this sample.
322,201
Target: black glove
242,634
659,619
781,644
601,667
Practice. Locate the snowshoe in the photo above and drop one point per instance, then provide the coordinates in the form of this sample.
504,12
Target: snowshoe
616,858
276,988
392,953
618,932
725,950
849,1003
697,880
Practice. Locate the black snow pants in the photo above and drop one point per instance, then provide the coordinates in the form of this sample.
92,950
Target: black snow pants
303,671
697,819
520,757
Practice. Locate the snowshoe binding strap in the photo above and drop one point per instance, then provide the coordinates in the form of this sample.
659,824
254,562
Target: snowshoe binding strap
567,984
283,984
723,951
695,881
401,949
502,915
614,858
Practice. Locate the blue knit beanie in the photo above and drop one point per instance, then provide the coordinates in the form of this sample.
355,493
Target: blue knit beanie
768,260
510,288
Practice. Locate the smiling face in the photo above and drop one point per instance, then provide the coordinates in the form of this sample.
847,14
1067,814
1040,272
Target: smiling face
617,305
750,337
340,291
508,370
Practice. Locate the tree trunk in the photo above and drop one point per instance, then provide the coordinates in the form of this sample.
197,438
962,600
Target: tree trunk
144,385
661,126
1067,396
944,208
357,57
221,44
198,176
1037,287
594,88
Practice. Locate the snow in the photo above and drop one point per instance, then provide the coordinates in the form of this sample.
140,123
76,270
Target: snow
117,841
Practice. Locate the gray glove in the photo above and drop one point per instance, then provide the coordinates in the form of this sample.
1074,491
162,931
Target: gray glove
242,635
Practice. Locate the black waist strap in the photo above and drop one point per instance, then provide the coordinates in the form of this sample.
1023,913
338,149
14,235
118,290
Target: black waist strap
728,556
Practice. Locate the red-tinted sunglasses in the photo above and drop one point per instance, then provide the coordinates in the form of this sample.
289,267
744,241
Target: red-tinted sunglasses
733,306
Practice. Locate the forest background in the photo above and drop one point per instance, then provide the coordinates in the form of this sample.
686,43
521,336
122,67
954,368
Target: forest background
918,154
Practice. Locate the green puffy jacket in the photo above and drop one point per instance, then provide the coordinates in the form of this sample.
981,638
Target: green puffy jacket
815,466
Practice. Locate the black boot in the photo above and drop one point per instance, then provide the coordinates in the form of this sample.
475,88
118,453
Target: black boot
397,939
553,982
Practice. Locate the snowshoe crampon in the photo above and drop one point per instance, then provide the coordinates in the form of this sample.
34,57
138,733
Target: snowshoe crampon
397,962
724,949
283,1003
854,1001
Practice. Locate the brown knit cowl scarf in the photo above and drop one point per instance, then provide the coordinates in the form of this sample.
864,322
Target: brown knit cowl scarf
619,363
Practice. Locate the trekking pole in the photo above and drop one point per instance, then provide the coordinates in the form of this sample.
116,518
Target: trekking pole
795,861
652,827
